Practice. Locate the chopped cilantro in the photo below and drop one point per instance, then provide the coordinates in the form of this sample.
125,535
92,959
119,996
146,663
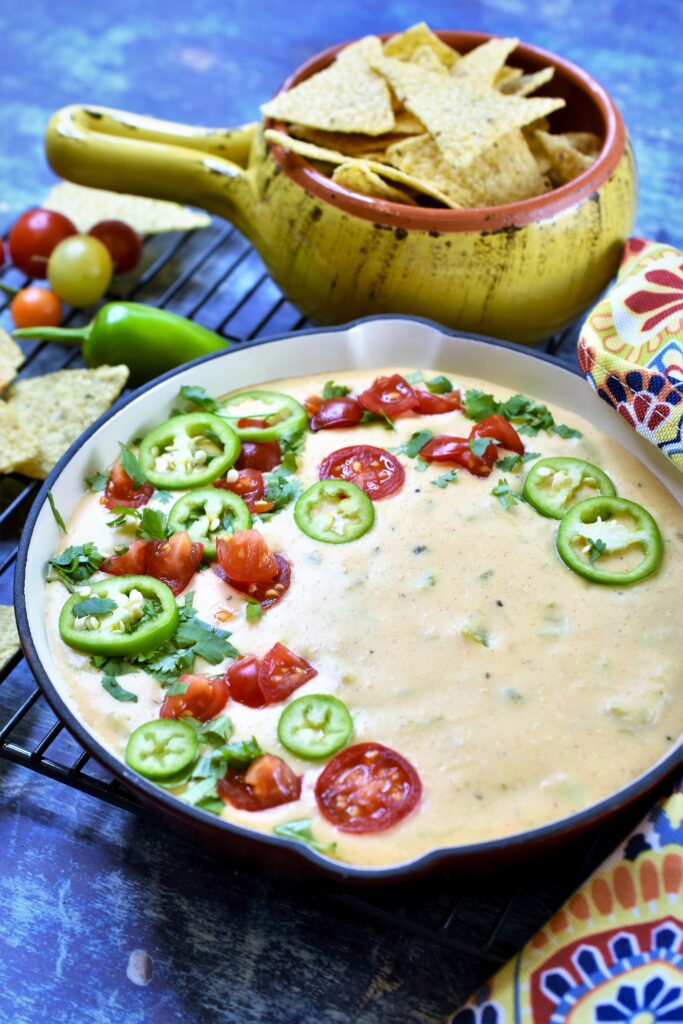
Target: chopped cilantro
281,490
204,795
505,495
177,689
511,462
75,565
163,496
414,445
132,467
254,611
55,512
112,687
597,548
477,634
420,465
198,396
477,405
208,642
478,445
216,732
446,478
237,755
301,831
528,415
97,482
93,606
564,431
439,385
152,521
373,417
415,377
290,449
332,390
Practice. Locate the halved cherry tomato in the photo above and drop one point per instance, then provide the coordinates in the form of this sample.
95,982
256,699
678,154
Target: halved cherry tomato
374,470
312,404
130,563
457,450
36,307
281,672
242,678
245,557
337,412
367,788
267,782
121,491
268,592
250,486
429,404
34,236
261,455
203,699
499,428
174,561
389,396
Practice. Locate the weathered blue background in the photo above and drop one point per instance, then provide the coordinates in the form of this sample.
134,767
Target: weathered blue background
82,884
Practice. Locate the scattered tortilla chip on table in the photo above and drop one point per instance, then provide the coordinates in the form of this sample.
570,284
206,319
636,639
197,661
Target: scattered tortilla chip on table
9,637
416,38
359,178
86,206
53,410
348,96
11,358
17,444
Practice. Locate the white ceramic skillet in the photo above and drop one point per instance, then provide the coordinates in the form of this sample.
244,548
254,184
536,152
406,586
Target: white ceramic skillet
366,344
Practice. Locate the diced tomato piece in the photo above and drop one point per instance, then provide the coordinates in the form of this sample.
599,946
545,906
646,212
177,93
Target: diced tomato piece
268,592
203,699
456,450
281,672
130,563
430,405
242,679
499,428
174,561
337,412
267,782
245,557
312,404
374,470
120,490
389,396
250,486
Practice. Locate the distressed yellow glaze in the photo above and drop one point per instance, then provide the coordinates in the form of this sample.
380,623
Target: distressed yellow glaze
523,283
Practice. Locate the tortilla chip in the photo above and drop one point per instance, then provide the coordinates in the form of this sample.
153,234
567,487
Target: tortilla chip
405,44
352,143
504,173
506,74
346,97
407,123
425,57
586,142
311,152
17,445
525,84
566,160
481,65
55,409
86,206
464,119
11,358
358,177
9,637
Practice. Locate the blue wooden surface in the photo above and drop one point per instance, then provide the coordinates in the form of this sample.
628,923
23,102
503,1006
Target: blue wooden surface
82,884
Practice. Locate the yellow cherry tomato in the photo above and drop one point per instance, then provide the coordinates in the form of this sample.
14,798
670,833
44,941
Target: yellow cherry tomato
79,270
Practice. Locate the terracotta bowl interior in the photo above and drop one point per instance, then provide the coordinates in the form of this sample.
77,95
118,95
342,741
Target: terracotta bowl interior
589,108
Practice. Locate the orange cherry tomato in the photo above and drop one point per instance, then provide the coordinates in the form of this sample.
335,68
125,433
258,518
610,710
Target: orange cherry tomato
36,307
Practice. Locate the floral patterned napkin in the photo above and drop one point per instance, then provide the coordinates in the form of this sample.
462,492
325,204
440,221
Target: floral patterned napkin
631,345
614,951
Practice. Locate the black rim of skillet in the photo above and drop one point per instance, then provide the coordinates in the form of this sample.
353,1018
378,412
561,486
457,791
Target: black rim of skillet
172,805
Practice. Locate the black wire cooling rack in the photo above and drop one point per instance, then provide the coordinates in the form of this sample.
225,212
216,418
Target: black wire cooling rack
216,278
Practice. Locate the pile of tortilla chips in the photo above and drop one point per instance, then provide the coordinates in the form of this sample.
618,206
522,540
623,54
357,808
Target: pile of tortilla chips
413,121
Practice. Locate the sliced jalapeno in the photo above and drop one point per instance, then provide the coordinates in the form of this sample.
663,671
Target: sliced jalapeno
162,748
315,726
207,512
334,511
273,413
554,485
597,528
119,616
188,451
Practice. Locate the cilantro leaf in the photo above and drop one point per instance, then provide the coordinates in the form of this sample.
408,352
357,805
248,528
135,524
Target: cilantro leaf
373,417
131,466
332,390
301,831
238,755
446,478
564,431
216,732
55,512
439,385
93,606
97,482
420,465
414,445
177,689
281,489
415,377
528,415
207,641
152,524
477,405
505,495
290,449
478,445
202,791
597,548
512,462
163,496
117,692
198,396
76,564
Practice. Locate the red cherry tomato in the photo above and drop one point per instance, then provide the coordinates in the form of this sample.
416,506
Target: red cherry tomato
251,488
121,491
500,429
34,236
281,672
36,307
389,396
203,699
457,450
268,592
122,241
367,788
242,679
245,557
264,456
174,561
130,563
429,404
267,782
337,412
374,470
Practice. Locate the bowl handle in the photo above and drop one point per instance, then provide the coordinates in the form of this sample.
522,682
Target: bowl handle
122,152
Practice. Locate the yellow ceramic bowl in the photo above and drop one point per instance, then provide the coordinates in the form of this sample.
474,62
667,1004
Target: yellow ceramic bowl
521,271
